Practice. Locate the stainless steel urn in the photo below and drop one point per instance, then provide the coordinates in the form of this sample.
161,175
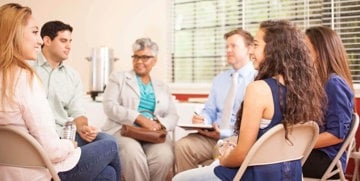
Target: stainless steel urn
101,59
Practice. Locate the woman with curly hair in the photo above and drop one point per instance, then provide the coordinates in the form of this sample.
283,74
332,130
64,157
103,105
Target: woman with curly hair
331,62
286,91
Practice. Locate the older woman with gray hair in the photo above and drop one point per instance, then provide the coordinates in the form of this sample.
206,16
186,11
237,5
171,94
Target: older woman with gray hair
134,98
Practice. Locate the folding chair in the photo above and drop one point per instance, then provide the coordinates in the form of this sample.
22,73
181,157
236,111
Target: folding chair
20,149
302,138
348,145
356,156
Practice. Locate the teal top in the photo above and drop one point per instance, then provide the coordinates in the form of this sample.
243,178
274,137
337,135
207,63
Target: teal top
147,98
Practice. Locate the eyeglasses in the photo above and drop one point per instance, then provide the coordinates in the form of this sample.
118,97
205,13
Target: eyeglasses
143,58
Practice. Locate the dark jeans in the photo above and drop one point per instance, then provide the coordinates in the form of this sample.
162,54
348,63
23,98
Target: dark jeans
99,160
316,165
284,171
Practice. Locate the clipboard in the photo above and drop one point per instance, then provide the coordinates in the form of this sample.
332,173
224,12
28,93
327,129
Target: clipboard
190,126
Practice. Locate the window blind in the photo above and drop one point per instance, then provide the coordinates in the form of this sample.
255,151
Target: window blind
198,47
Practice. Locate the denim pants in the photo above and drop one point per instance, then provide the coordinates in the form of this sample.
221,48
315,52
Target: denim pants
198,174
99,160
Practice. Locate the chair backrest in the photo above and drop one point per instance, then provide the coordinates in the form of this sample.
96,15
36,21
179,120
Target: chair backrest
20,149
348,145
302,138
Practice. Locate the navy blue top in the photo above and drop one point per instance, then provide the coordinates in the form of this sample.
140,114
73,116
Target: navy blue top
338,115
274,172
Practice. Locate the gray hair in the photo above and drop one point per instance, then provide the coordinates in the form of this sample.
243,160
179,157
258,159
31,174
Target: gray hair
142,43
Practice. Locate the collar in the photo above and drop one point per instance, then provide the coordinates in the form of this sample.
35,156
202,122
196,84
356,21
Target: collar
244,70
131,75
42,61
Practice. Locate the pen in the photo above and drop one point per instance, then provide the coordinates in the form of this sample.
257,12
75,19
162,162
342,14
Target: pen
196,113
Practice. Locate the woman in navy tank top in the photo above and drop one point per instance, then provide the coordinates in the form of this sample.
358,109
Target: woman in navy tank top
286,91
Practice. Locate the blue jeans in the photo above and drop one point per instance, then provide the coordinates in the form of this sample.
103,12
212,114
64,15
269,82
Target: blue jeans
99,160
198,174
283,171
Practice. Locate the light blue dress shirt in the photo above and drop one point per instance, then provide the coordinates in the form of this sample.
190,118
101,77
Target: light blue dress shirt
221,84
63,90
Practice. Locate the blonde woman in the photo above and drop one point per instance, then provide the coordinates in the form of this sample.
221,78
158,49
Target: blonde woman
23,105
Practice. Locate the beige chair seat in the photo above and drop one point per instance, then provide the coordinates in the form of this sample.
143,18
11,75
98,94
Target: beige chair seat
302,140
20,149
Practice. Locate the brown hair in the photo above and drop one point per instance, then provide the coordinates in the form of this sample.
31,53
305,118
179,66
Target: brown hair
248,38
331,54
286,54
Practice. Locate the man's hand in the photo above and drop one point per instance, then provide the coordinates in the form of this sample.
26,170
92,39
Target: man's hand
75,143
88,133
211,134
197,119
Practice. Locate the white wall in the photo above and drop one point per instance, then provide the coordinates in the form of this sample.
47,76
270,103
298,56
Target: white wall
113,23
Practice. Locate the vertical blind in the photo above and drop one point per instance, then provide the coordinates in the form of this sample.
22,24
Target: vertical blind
198,46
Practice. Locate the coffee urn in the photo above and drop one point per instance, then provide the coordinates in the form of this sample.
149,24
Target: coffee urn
101,59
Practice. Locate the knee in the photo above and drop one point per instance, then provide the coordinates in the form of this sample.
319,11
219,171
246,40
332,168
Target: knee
113,145
108,173
110,145
181,146
134,156
167,160
164,158
105,136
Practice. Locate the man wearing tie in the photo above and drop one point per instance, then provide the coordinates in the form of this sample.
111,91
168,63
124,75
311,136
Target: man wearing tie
224,101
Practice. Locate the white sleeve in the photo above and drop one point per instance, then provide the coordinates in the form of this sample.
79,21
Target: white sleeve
39,119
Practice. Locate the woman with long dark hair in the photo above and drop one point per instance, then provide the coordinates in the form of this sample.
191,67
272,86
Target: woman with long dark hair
286,91
330,60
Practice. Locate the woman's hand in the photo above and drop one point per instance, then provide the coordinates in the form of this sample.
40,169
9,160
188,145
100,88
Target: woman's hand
155,126
148,123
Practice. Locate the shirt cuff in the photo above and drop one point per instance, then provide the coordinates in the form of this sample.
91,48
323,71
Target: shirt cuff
224,133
